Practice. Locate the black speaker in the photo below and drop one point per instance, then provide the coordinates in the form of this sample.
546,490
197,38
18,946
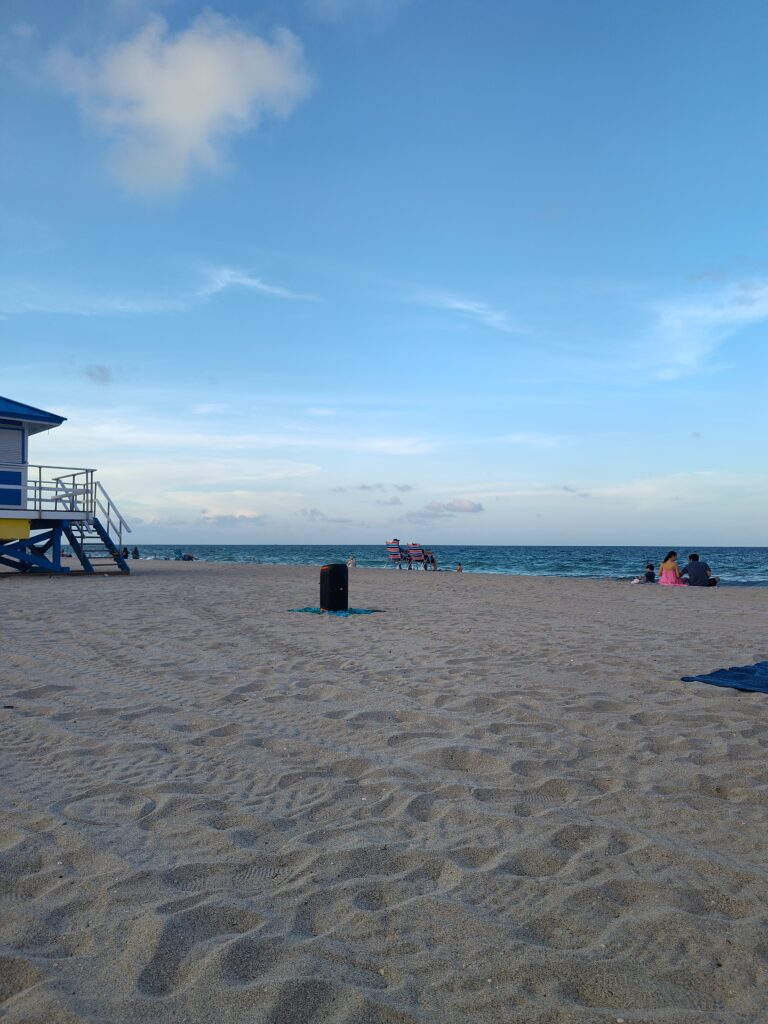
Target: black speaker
334,588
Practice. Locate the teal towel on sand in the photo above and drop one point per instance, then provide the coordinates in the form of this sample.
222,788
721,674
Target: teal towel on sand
341,615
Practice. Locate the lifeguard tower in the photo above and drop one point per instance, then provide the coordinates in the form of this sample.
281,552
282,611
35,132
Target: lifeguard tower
42,505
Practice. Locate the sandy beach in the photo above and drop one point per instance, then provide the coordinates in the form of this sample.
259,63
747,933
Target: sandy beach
495,801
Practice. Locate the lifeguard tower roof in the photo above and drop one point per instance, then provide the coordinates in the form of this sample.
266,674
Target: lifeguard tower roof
34,419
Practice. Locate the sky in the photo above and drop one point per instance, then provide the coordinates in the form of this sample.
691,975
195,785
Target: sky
332,271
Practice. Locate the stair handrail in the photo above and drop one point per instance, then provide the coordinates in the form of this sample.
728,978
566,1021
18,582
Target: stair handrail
108,510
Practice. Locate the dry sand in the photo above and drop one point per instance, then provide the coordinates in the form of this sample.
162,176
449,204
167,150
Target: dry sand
493,802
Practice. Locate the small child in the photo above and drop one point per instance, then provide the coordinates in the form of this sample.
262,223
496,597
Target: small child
649,575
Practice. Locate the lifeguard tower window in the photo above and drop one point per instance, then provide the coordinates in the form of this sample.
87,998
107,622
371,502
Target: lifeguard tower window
11,457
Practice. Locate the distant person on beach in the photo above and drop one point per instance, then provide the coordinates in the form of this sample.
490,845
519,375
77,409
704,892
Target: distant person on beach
458,568
124,552
669,572
351,562
135,553
699,573
649,576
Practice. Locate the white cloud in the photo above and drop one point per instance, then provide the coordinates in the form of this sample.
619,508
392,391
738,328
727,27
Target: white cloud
481,312
464,505
168,103
221,278
689,330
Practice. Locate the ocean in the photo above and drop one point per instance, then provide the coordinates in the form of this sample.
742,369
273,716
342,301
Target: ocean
735,566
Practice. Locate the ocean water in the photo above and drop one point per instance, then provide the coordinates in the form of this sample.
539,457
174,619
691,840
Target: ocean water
735,566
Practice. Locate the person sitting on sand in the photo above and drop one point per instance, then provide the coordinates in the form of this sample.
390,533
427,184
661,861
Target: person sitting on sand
649,576
699,574
669,572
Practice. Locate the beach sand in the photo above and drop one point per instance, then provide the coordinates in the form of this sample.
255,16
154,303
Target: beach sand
493,802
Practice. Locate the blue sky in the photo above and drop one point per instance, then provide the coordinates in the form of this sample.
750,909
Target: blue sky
337,270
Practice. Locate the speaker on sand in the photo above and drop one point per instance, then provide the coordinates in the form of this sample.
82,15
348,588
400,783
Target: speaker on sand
334,588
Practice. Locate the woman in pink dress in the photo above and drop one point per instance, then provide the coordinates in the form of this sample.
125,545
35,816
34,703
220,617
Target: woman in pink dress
669,572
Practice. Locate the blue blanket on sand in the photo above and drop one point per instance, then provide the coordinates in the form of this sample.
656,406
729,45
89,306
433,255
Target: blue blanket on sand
341,615
740,677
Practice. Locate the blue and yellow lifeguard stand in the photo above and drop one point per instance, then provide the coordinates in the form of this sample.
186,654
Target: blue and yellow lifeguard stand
40,506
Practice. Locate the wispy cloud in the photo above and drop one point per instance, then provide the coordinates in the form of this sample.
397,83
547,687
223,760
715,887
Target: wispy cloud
20,297
222,278
689,330
230,520
480,312
164,437
447,510
168,103
316,516
402,488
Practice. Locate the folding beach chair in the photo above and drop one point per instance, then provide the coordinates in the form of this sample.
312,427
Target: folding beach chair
415,553
395,555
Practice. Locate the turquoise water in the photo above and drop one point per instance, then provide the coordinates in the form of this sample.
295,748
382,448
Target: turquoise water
739,566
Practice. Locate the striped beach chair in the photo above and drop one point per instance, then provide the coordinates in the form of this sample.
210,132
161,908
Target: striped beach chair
395,554
415,556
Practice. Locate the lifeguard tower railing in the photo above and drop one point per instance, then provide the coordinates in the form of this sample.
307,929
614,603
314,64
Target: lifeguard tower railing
70,499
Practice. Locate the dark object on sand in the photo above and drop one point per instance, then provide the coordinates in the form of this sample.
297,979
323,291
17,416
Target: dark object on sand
739,677
334,587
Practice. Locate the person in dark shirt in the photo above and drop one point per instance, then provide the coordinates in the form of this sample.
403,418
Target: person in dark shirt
699,573
650,573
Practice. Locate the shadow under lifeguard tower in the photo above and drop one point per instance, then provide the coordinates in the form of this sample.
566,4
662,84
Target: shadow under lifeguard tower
42,505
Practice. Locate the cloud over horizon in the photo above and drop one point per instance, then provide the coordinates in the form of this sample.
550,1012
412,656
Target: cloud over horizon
446,510
168,104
